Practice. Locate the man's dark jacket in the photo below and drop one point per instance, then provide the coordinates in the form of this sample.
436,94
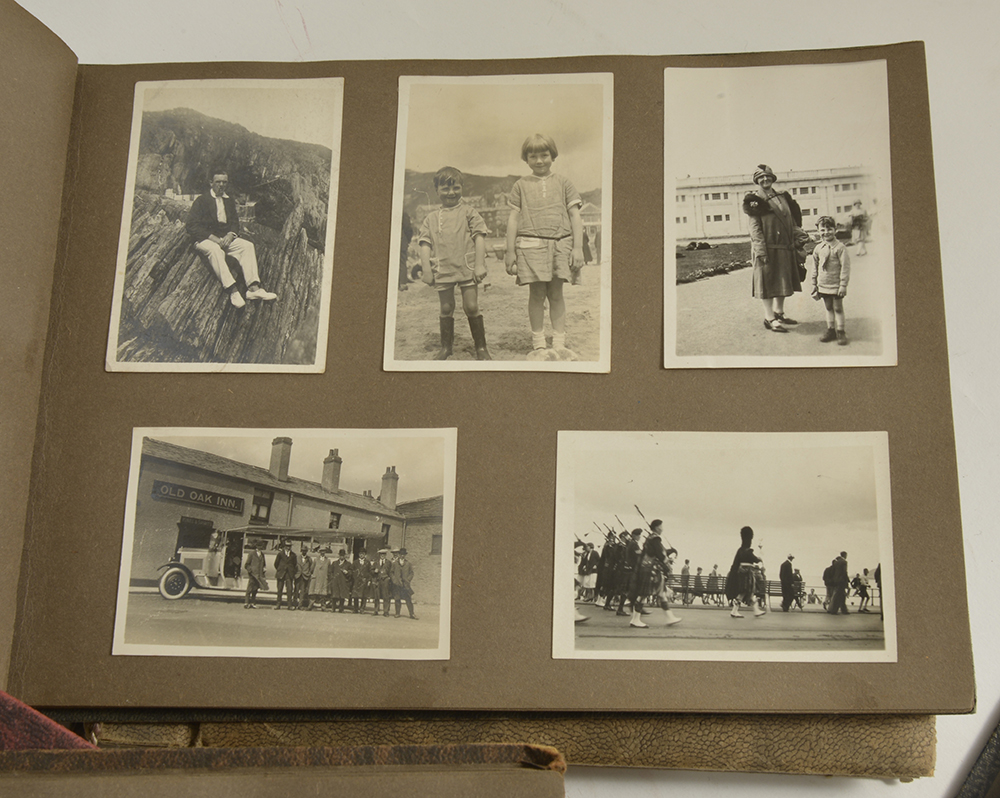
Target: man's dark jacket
203,218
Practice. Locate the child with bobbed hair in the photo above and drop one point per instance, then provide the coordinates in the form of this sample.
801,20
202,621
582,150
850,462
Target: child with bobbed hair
453,252
544,239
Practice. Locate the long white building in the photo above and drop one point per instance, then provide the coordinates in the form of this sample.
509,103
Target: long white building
712,207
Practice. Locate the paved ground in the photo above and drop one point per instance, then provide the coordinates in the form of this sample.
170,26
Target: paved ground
718,316
202,619
707,628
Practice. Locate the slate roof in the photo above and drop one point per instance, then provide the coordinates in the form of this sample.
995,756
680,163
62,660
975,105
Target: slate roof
261,477
422,508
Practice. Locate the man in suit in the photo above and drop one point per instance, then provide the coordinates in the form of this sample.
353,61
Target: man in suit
382,581
214,224
303,577
341,577
361,587
402,577
841,582
255,576
285,570
787,577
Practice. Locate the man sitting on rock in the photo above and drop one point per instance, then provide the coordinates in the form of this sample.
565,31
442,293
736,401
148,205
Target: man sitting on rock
214,224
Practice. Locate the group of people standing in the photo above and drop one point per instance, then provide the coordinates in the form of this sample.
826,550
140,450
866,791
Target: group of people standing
311,579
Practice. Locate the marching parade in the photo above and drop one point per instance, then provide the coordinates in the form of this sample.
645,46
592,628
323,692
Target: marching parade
635,570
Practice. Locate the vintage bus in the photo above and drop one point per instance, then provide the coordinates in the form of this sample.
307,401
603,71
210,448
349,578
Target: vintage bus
216,562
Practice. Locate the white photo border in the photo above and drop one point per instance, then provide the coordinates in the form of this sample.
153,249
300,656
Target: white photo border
600,366
574,446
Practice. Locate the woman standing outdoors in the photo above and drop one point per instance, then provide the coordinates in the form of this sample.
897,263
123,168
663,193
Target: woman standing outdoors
776,247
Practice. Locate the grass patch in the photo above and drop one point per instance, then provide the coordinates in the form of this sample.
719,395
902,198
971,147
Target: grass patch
720,259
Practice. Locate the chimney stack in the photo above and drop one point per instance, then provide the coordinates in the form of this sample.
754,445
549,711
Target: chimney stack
390,482
281,453
331,471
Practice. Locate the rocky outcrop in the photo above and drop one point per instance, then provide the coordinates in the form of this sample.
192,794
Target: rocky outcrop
174,310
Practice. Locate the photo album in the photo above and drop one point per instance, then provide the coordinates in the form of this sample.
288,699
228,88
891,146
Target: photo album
255,342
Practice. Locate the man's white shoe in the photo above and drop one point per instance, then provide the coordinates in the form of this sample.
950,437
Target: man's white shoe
260,293
236,299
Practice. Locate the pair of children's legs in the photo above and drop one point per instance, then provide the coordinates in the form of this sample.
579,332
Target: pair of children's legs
539,293
470,304
834,311
834,319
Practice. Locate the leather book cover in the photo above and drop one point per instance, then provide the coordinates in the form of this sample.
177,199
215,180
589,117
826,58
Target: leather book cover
365,771
885,747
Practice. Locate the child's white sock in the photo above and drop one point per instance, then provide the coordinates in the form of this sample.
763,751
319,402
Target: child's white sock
537,340
558,340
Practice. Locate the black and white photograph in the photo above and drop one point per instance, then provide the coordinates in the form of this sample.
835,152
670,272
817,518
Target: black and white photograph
346,534
226,249
778,217
695,546
501,229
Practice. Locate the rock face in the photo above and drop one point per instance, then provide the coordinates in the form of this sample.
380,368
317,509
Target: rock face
173,307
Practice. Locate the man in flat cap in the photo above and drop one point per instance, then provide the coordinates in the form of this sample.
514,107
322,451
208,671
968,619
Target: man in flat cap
402,577
255,576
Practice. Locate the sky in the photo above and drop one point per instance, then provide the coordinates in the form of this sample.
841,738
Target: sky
724,121
807,497
418,458
478,127
296,110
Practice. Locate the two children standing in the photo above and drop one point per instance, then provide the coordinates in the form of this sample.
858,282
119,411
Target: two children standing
544,247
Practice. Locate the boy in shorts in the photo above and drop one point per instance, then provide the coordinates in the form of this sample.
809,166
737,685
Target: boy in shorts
453,252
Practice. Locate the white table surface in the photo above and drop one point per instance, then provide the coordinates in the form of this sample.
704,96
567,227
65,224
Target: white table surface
963,62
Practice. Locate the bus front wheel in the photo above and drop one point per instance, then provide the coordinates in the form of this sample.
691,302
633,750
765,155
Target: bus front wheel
175,583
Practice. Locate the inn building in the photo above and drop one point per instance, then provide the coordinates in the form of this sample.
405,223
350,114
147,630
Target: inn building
185,496
707,208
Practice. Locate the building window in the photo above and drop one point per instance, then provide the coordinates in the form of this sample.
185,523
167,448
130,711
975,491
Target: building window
725,195
793,189
838,209
684,219
727,217
680,198
805,211
334,521
813,190
804,190
846,186
677,220
718,217
716,195
708,218
261,511
385,534
836,188
855,186
436,544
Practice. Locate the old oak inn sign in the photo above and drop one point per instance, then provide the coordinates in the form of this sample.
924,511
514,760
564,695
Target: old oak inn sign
183,493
